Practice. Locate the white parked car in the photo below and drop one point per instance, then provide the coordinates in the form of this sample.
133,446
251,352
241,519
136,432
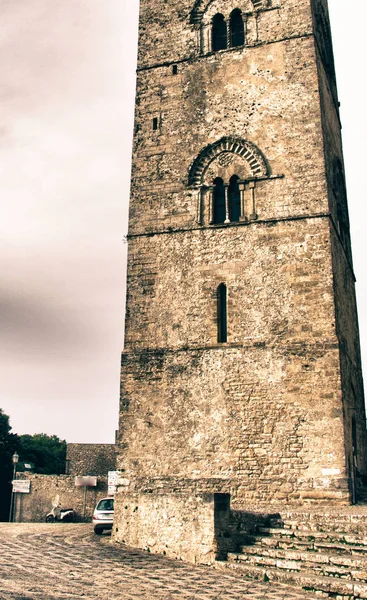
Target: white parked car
103,515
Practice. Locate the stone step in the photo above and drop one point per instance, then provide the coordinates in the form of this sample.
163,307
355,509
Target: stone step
347,523
306,580
341,549
319,564
308,535
293,543
318,557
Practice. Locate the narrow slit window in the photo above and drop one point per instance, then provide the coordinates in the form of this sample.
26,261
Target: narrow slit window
155,123
219,33
222,313
237,30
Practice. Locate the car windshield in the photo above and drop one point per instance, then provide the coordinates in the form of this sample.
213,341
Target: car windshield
106,504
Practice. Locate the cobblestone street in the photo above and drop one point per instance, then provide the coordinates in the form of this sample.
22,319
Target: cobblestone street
54,562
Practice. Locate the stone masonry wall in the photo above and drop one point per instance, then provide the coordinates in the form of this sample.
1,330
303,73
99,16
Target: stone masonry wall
270,270
351,371
47,489
197,107
346,318
265,416
169,523
168,35
269,394
90,459
258,441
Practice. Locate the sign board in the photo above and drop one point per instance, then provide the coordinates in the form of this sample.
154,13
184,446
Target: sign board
112,477
21,486
85,481
112,480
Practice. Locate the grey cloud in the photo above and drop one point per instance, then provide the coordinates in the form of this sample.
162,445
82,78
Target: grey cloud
29,325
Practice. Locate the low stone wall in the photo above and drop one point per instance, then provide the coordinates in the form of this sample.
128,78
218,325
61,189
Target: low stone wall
171,524
47,489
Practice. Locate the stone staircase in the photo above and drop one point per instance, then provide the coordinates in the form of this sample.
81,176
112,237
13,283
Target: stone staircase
321,552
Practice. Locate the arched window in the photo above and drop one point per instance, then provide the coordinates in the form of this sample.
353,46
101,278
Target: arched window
219,201
222,313
234,199
219,33
223,179
237,31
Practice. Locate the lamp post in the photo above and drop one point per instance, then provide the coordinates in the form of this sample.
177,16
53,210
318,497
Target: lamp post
14,459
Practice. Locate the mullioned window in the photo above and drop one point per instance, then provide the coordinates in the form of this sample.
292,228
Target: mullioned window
222,23
224,177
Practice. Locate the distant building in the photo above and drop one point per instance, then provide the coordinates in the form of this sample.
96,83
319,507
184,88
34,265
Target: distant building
45,490
90,459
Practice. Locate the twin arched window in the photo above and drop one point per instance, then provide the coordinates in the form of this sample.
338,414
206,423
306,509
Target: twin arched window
228,37
226,200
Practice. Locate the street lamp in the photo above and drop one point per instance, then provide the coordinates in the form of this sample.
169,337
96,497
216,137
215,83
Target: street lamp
14,459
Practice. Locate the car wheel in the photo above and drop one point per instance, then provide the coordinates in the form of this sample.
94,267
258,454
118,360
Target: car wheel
98,530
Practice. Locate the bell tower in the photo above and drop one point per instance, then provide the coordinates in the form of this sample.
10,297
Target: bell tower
241,373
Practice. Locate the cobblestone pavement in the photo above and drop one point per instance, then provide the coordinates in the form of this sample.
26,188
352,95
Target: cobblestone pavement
61,561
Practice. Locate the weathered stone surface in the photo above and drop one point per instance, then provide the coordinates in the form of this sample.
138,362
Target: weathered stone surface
274,412
185,525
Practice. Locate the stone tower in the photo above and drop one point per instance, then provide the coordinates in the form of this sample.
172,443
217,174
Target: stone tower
241,372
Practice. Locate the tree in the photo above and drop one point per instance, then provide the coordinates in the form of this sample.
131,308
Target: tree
47,453
8,445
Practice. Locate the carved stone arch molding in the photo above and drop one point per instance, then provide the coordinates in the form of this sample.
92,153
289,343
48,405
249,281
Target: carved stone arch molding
224,151
202,5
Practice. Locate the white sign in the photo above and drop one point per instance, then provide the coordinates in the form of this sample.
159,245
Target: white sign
112,477
86,481
22,486
112,480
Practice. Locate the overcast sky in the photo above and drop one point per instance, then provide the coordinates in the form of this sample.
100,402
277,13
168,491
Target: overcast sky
66,104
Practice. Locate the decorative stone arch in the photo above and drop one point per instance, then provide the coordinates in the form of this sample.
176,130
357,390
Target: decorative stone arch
201,6
221,150
236,164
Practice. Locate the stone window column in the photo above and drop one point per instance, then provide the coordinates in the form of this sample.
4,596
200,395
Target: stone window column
251,29
243,216
253,214
205,38
210,203
198,195
227,204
